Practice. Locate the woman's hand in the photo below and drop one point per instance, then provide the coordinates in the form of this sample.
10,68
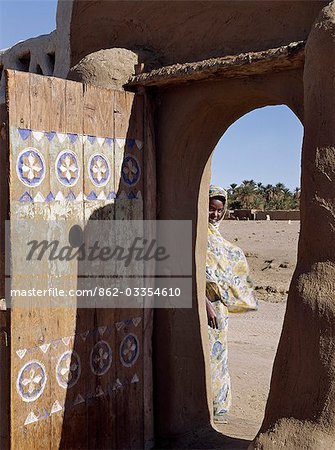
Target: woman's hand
211,314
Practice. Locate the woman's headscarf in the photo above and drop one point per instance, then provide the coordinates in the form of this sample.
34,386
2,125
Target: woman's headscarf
217,191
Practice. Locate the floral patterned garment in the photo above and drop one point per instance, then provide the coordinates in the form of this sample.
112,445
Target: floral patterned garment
229,288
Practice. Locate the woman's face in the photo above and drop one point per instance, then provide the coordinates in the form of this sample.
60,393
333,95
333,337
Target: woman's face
216,210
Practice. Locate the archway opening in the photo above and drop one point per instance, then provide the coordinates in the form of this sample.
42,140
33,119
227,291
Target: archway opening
258,161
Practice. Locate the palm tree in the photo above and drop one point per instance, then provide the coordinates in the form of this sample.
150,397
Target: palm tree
232,189
278,198
296,198
296,193
269,192
247,193
250,194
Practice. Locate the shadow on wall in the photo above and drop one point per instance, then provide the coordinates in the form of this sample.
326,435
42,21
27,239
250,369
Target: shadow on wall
104,401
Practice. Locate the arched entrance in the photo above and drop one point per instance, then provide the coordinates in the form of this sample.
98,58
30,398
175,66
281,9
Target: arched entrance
191,123
254,160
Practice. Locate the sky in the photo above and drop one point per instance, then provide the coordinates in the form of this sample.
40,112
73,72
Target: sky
23,19
264,145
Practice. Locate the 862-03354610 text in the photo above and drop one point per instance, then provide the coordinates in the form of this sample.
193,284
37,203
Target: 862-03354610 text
99,291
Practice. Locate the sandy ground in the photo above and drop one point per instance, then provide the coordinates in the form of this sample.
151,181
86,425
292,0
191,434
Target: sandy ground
271,249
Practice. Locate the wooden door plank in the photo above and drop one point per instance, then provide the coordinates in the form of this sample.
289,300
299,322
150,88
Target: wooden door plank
149,213
4,313
98,145
98,184
59,106
67,427
128,334
31,114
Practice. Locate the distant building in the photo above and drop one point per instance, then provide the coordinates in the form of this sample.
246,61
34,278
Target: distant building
255,214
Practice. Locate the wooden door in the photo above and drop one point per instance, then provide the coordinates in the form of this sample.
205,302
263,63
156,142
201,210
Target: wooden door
78,377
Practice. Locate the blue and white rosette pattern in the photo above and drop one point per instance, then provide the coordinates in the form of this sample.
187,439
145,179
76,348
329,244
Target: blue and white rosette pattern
129,350
101,358
99,170
67,168
30,167
68,369
130,170
31,381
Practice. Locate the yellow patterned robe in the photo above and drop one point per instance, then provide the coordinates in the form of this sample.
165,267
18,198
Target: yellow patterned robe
229,288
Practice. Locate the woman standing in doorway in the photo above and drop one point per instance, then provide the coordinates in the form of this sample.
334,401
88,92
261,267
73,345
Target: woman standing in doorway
228,289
